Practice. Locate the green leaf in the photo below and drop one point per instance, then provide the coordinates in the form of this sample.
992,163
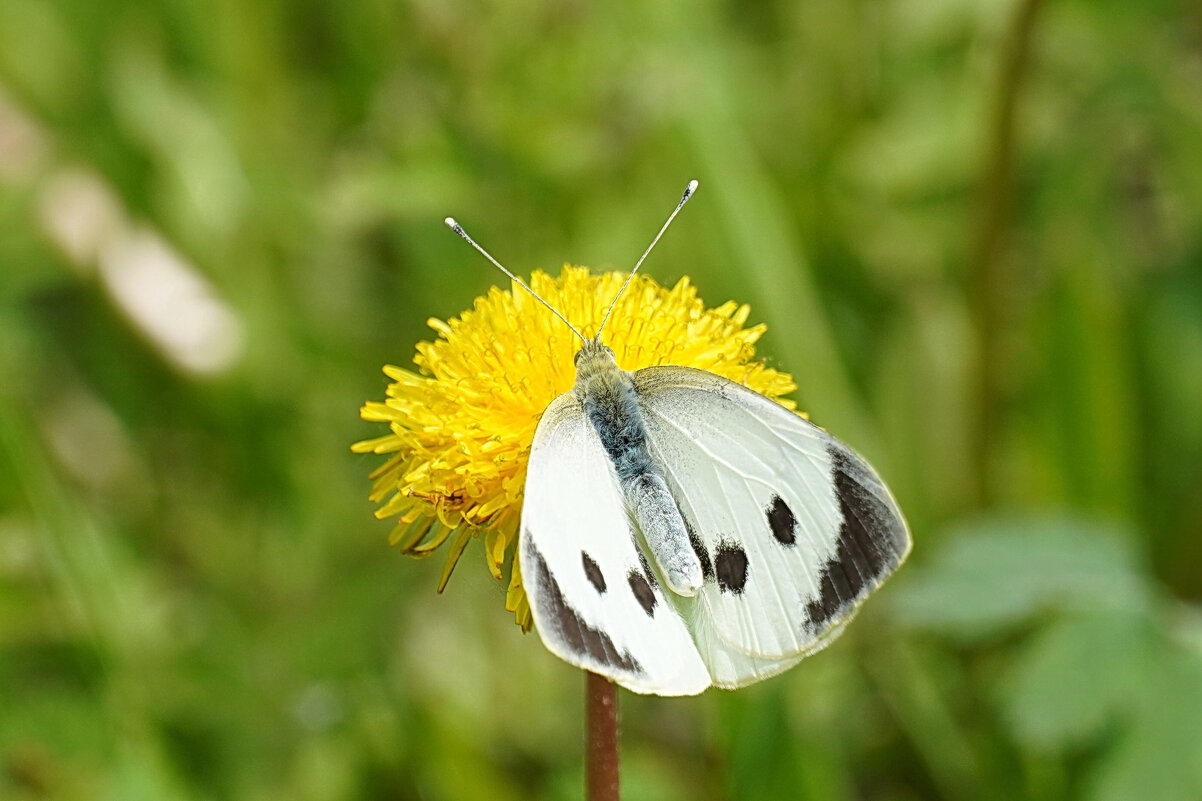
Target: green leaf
1160,757
1077,676
998,572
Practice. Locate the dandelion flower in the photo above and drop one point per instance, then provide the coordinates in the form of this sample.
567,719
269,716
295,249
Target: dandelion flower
460,427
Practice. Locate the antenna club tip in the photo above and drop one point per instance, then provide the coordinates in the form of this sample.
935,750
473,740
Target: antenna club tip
693,186
450,221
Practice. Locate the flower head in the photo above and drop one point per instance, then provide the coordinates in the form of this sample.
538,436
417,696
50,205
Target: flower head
460,428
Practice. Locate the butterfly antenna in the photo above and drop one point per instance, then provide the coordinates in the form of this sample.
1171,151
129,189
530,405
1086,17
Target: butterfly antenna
688,193
457,228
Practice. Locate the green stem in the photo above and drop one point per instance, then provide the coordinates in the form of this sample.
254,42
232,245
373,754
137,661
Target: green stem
601,747
989,281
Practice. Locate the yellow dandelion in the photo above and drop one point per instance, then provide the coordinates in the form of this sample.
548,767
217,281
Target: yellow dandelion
460,427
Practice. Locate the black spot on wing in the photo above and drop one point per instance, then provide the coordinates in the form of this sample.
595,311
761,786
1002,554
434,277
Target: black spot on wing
781,521
647,571
593,572
730,565
575,631
865,551
642,591
703,556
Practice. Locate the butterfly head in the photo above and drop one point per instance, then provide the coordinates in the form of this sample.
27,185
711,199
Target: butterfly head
592,352
594,362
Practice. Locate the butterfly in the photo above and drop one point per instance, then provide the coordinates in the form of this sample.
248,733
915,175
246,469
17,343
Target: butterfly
681,531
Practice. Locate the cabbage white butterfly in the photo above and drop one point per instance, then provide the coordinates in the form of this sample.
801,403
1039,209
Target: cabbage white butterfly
680,530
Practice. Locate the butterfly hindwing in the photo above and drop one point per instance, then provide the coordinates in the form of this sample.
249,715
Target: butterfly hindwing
793,529
596,602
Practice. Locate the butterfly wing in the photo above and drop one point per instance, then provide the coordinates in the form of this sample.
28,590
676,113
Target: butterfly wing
793,529
595,601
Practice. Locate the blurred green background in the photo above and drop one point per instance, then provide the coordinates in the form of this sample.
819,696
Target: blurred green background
973,228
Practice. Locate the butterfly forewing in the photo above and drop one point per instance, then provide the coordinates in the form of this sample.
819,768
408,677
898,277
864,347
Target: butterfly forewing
595,600
793,528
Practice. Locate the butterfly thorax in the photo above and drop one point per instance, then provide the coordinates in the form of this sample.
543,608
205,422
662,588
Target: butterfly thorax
610,402
607,394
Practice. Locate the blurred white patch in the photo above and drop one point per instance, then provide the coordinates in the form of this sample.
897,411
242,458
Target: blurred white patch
318,707
80,215
23,146
19,553
91,445
166,298
173,305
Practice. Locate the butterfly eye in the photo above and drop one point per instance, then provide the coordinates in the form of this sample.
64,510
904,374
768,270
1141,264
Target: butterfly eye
576,358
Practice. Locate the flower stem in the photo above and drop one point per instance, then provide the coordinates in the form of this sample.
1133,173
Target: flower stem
601,746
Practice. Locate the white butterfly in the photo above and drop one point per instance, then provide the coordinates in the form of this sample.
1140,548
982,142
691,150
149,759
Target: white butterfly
680,530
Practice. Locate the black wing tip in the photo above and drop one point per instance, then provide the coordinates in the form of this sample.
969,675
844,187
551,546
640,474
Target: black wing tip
553,615
873,541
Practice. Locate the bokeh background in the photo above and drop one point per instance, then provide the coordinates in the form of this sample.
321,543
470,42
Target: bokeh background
974,228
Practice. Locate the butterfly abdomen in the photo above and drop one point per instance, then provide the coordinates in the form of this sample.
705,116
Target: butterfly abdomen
610,402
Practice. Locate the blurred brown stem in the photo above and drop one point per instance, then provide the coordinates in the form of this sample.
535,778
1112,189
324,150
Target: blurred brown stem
987,276
601,747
